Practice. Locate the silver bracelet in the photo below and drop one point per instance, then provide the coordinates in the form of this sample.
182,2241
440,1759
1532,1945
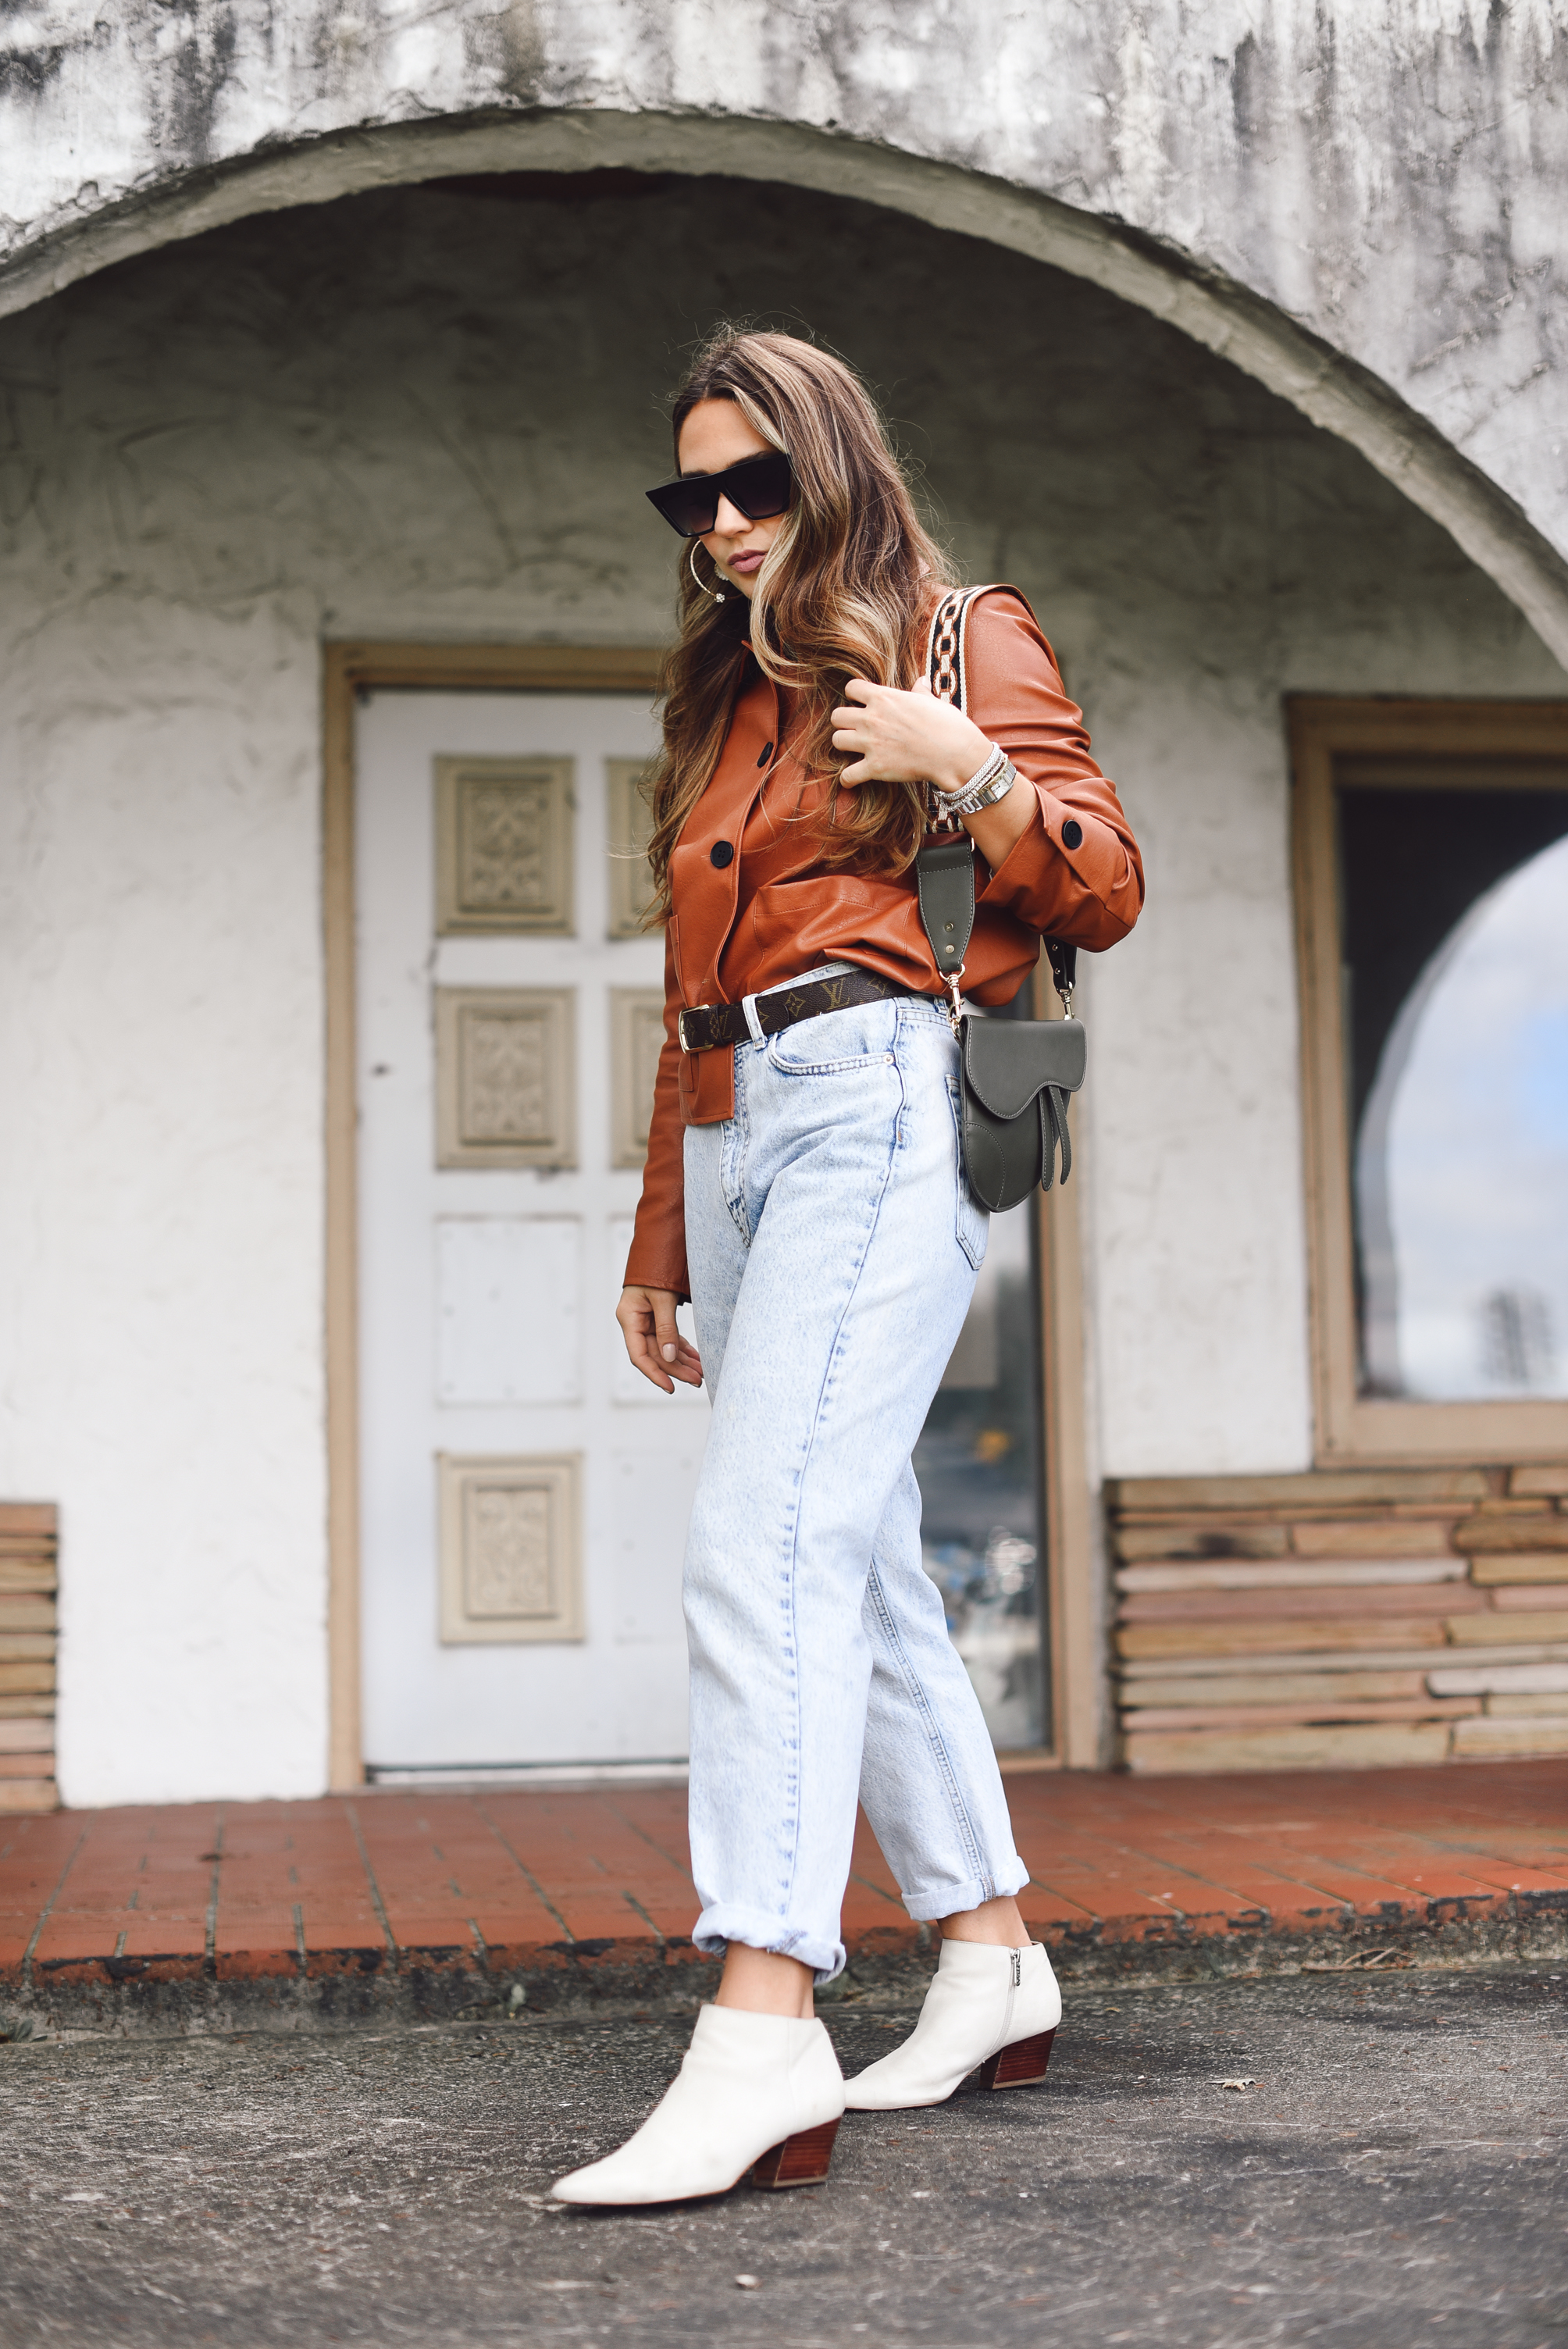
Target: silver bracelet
990,782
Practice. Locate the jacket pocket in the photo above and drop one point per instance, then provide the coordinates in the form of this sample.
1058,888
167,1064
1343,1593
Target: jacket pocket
971,1224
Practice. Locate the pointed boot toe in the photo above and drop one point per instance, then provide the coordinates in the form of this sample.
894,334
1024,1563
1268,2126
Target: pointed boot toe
754,2090
996,2010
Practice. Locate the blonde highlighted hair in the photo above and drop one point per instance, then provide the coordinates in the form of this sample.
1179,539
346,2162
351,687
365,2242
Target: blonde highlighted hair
846,591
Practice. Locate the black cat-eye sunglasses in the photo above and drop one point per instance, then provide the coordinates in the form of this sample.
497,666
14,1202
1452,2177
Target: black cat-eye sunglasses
758,487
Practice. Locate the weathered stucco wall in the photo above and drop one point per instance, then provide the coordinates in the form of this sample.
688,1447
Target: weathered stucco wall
160,1187
1391,177
432,413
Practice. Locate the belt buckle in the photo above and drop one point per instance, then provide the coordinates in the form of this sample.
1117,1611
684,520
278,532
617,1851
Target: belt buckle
686,1045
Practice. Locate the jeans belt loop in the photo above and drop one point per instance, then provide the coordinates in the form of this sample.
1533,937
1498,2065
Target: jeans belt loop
748,1010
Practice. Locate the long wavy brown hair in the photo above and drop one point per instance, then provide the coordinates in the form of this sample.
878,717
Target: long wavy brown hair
846,591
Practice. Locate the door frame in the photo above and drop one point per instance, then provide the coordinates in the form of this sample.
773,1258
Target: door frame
349,669
1073,1601
358,666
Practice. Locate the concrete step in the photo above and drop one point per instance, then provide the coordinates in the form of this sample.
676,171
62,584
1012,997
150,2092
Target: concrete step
423,1904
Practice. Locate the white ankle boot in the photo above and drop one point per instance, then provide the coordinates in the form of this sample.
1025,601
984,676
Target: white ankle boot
990,2006
754,2089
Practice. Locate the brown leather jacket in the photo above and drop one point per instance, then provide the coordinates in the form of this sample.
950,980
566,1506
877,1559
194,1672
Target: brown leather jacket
1075,874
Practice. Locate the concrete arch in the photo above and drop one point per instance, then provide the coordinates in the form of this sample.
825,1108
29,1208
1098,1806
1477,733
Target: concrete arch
1335,392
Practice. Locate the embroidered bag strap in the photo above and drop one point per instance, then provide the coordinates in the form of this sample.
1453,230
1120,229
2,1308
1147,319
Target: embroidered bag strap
946,666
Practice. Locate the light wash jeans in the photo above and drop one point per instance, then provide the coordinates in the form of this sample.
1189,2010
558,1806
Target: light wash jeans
834,1246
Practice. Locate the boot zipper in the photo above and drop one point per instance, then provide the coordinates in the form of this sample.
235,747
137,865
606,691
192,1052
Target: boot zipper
1015,1975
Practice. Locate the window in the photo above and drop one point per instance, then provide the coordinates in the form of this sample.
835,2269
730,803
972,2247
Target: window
979,1466
1432,887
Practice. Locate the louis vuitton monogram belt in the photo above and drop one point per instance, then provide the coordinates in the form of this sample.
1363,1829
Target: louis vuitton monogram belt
709,1024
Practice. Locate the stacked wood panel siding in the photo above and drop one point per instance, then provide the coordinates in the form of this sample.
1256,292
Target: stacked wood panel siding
1341,1618
28,1578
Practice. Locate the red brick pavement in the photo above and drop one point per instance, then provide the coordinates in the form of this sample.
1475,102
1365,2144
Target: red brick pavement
507,1879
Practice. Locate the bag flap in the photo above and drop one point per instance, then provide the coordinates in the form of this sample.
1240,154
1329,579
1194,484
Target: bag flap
1009,1061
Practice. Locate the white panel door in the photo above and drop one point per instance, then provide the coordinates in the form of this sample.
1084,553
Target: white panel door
487,1289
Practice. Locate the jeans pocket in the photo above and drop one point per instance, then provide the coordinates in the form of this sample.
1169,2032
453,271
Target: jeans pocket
973,1223
835,1042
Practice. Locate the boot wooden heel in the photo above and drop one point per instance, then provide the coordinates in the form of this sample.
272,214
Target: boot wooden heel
800,2160
1020,2065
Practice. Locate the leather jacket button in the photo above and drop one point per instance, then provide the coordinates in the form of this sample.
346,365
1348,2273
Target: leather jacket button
1072,835
766,754
721,853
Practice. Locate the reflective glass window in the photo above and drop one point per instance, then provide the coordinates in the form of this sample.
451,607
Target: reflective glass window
1454,905
978,1461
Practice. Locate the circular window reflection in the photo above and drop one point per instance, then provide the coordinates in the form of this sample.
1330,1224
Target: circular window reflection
1461,1160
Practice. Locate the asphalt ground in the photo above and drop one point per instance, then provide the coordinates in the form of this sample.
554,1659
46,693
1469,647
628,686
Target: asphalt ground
1394,2175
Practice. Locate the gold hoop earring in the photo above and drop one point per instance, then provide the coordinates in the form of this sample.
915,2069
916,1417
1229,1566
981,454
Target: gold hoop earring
716,592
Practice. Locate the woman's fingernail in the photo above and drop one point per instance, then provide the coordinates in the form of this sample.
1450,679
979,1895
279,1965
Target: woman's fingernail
669,1353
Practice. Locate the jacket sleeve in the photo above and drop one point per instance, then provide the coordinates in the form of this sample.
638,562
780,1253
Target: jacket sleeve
659,1254
1075,872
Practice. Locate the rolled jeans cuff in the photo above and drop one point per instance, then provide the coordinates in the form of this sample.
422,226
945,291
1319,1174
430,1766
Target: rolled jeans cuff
955,1899
717,1927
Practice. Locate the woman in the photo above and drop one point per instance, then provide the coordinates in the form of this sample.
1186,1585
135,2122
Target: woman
804,1189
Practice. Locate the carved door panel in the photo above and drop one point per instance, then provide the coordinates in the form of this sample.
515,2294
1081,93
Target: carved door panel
524,1495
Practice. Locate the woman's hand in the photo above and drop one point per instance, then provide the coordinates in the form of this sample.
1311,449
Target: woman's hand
906,738
647,1319
913,738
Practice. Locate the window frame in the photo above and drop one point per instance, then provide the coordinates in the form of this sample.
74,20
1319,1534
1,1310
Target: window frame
1348,1426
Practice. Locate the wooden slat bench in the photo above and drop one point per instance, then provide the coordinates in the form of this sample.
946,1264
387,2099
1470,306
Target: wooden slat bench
29,1574
1342,1618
